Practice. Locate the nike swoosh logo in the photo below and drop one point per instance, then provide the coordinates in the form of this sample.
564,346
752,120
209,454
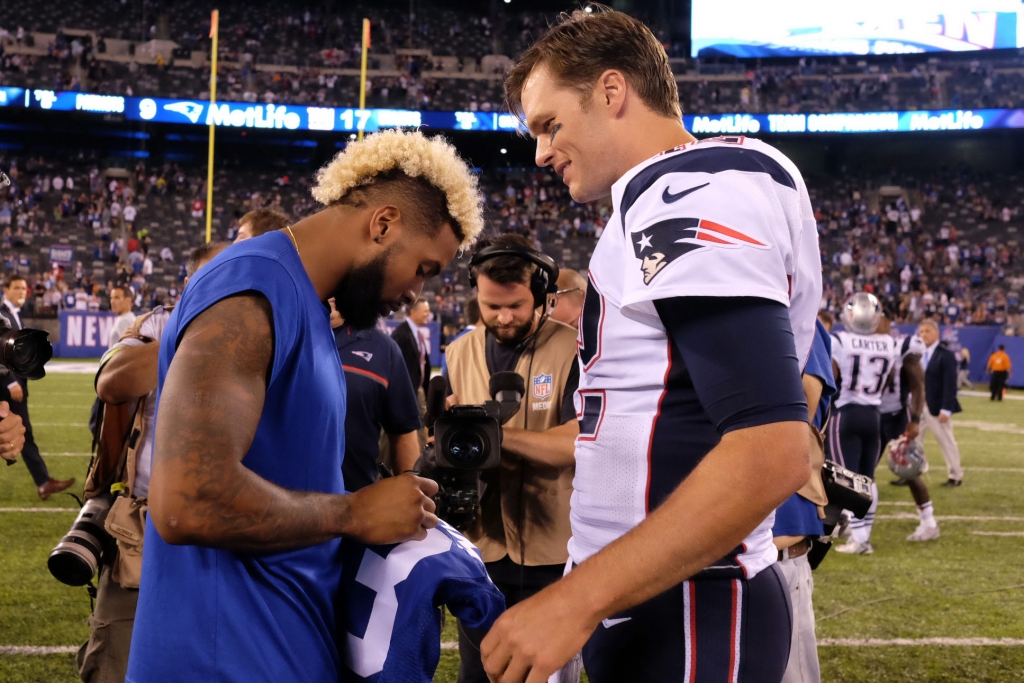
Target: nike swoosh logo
608,623
668,197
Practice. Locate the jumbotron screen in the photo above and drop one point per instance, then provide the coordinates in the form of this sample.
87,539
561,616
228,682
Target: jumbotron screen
796,28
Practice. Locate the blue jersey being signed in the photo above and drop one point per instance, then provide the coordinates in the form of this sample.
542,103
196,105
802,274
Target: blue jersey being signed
390,628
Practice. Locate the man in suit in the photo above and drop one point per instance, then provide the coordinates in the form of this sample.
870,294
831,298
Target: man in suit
940,379
413,339
15,392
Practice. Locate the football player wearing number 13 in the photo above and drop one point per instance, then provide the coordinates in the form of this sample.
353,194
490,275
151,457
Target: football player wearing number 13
699,314
862,359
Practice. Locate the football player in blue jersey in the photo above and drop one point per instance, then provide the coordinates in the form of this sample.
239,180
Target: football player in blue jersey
247,505
697,322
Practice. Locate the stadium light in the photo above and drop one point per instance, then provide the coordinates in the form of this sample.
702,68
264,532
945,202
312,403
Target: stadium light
588,9
504,151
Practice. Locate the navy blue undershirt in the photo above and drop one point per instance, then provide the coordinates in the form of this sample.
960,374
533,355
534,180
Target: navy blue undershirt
740,356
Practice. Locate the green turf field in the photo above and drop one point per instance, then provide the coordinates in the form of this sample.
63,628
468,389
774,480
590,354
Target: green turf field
966,585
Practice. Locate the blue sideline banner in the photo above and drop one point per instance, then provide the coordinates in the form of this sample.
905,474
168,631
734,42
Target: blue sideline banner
83,334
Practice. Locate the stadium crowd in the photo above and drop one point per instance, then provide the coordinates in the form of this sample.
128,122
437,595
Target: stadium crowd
945,244
441,60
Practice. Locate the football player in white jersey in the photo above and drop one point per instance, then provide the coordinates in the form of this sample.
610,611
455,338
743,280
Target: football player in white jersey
863,360
901,407
699,316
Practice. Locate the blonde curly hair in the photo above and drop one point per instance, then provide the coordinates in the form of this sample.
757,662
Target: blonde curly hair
413,154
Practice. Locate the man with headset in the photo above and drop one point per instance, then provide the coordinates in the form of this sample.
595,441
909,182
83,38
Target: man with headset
523,526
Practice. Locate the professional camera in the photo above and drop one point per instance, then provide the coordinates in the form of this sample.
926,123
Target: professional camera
846,490
76,557
467,440
24,352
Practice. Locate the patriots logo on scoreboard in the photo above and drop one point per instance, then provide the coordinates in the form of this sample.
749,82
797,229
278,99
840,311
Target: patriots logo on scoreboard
662,243
541,386
190,110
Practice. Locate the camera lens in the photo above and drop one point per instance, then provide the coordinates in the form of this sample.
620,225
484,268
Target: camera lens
466,447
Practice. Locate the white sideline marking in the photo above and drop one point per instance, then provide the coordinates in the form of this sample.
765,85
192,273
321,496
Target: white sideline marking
38,509
61,424
995,469
87,368
79,455
883,642
824,642
953,518
998,533
985,394
38,649
1003,427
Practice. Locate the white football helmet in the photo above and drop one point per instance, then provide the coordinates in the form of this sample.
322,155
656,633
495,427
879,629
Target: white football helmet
862,313
906,458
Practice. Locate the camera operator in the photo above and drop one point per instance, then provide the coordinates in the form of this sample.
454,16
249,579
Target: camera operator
380,397
523,527
15,393
128,372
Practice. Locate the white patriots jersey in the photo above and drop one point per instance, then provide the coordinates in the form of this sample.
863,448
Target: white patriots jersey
892,395
728,217
865,361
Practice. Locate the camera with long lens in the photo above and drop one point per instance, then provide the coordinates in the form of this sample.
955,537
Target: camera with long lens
24,352
467,440
75,558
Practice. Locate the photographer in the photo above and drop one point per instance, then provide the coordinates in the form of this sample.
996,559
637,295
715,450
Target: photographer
127,375
523,527
14,391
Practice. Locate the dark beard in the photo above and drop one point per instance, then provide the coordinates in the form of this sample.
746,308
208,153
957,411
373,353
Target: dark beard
358,296
513,336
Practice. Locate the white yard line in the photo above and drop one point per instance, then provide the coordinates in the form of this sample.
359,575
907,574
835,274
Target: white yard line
953,518
998,533
40,509
1001,427
942,642
995,469
823,642
38,649
895,502
66,455
75,368
61,424
977,394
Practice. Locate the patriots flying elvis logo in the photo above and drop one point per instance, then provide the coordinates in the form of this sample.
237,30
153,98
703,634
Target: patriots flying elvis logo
662,243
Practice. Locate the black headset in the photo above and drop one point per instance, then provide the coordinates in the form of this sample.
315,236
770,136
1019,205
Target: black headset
544,279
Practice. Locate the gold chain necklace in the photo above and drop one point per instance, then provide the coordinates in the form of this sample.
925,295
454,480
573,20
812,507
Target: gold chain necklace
294,241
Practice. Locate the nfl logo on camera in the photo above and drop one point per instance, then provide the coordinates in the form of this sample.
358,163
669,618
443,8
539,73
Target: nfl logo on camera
542,386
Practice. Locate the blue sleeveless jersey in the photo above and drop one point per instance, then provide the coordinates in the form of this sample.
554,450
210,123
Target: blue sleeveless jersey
215,615
799,516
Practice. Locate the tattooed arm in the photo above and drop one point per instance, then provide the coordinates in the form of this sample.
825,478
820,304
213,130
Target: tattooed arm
210,406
